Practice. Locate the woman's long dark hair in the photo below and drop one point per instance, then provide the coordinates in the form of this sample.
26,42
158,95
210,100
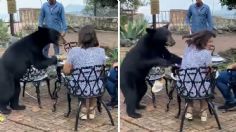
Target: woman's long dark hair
199,39
88,37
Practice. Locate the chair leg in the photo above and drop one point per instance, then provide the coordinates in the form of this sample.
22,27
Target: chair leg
55,96
153,95
170,96
209,108
37,84
179,105
183,117
77,116
154,100
49,89
214,112
99,105
69,105
166,80
23,92
108,112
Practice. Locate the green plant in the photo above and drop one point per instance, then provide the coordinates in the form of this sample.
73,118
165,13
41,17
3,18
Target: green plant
113,55
230,56
133,30
132,4
4,36
123,19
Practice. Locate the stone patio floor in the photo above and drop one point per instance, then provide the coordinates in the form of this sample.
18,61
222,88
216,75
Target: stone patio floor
34,119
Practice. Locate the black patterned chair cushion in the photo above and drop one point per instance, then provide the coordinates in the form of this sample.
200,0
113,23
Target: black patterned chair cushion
155,73
70,45
34,74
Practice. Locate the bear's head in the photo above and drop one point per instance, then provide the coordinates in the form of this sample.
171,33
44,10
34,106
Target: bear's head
48,35
160,36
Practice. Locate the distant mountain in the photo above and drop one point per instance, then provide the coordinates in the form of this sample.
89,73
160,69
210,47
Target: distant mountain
74,9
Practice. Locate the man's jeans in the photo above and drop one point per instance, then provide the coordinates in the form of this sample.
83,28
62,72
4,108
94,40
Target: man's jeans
46,50
112,85
222,83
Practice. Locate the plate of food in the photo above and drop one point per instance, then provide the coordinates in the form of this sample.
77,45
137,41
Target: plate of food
61,57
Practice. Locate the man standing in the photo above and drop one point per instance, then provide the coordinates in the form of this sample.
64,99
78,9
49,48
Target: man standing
199,17
52,15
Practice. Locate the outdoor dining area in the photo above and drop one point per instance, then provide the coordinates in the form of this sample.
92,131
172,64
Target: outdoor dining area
93,77
188,85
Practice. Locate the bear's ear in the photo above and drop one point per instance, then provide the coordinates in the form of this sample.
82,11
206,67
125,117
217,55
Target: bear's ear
150,30
167,25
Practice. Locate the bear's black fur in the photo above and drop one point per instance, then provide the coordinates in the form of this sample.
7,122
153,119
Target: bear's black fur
15,61
150,51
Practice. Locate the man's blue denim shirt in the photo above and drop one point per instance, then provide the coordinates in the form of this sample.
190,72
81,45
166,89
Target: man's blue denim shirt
199,18
53,16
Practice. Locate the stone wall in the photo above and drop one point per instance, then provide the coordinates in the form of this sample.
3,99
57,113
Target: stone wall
101,23
177,16
29,17
225,24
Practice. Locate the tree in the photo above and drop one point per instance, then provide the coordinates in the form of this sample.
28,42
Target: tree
230,3
132,4
94,4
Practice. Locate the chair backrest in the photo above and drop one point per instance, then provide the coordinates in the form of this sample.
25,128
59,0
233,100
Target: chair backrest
195,83
155,73
87,82
32,74
69,45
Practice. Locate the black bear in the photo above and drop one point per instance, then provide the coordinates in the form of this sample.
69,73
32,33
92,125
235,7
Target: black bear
15,61
148,52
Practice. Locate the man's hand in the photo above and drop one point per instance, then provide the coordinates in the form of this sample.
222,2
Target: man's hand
190,30
115,64
232,66
63,34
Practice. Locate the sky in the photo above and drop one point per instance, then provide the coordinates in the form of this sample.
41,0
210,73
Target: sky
35,4
166,5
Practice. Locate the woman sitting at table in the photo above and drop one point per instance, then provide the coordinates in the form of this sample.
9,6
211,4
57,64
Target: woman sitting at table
222,84
88,54
197,54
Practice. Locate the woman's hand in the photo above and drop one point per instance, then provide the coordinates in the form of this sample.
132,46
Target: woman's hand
115,64
210,47
232,66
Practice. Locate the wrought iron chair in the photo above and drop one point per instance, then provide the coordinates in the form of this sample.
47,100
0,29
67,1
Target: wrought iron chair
36,76
57,84
156,73
86,83
196,84
69,45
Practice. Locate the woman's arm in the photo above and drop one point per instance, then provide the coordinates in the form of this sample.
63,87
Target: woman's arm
67,68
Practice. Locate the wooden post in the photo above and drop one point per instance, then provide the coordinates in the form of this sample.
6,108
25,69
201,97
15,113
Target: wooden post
11,4
154,11
154,21
95,8
12,24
